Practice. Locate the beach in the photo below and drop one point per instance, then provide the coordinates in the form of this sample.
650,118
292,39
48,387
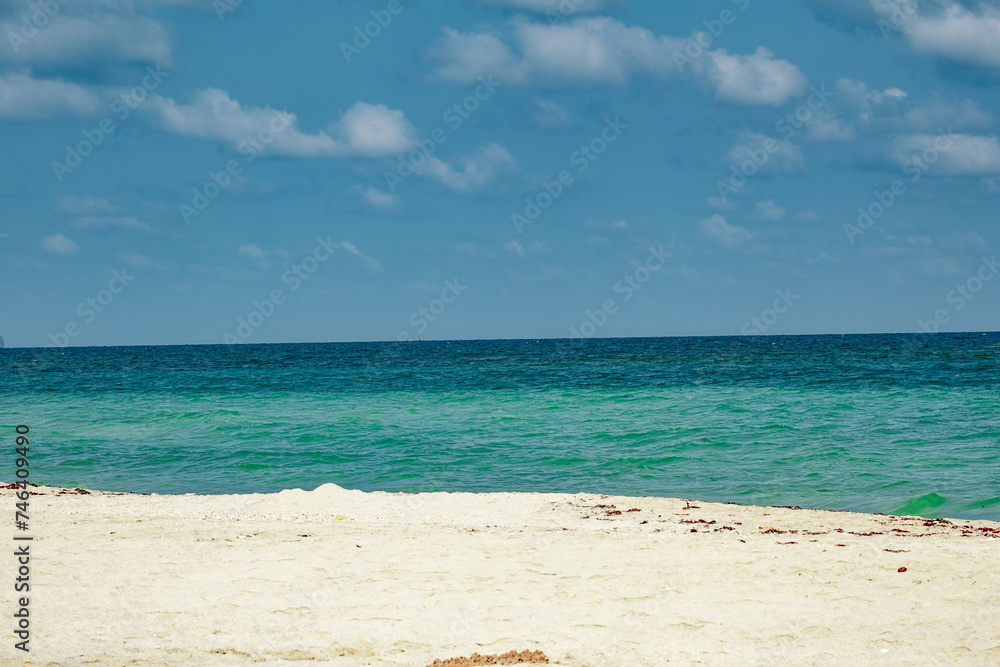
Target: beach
341,577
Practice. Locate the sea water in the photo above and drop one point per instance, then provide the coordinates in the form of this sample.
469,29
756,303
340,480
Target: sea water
878,423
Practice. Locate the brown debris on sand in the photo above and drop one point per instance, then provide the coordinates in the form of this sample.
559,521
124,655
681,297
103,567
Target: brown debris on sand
508,658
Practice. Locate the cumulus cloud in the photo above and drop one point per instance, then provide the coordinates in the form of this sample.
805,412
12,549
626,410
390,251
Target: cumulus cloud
70,42
59,245
955,30
755,79
731,236
957,33
957,154
601,51
365,130
856,108
466,56
866,104
902,128
768,210
23,97
382,201
934,115
78,34
474,173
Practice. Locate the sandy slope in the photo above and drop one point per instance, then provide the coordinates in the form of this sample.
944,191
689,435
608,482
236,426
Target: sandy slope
405,580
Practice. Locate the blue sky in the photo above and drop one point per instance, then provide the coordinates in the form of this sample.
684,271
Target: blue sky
190,171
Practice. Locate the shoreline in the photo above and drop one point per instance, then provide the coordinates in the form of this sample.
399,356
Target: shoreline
42,489
345,577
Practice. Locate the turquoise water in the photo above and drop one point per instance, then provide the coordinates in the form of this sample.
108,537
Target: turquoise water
889,423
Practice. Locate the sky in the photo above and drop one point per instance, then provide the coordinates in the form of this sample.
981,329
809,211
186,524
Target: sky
226,171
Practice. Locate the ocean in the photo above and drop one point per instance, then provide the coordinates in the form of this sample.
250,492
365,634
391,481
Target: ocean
906,424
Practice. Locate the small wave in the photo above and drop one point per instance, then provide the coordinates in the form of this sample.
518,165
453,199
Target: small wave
921,505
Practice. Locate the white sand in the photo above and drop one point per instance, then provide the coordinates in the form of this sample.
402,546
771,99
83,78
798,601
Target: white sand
404,580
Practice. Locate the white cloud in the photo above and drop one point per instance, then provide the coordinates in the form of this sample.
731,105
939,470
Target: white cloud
768,210
251,250
363,130
72,41
59,244
806,216
957,30
476,172
551,115
728,235
373,264
965,115
601,51
893,109
958,34
957,154
594,51
466,56
87,205
383,201
102,223
866,104
374,129
514,247
756,79
23,97
785,155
